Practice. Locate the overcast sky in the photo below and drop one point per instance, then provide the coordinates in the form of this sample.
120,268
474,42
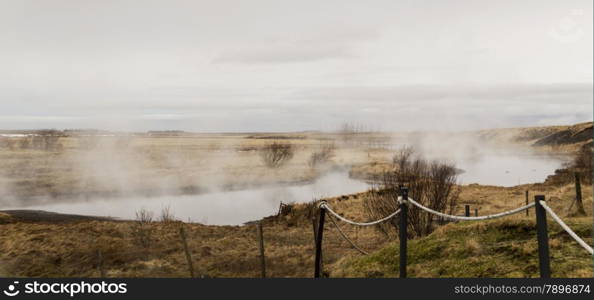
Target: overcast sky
294,65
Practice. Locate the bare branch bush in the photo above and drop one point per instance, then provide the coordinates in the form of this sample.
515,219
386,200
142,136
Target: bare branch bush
431,183
276,154
348,132
142,228
403,157
167,215
582,162
321,156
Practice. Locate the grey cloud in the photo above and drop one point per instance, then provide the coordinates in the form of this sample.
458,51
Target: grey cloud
333,43
283,54
510,93
271,65
385,107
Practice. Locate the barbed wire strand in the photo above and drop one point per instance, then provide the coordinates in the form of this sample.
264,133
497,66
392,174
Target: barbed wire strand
327,207
346,237
566,228
464,218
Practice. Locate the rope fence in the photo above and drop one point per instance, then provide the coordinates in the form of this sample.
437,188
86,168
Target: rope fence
325,205
464,218
541,228
344,236
567,229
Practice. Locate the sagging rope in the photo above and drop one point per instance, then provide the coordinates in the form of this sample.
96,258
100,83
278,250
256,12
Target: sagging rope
325,205
346,237
464,218
566,228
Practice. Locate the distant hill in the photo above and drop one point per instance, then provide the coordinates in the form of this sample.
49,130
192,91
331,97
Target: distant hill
569,137
576,134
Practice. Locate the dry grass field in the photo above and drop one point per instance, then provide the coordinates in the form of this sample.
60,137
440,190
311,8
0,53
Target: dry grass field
41,249
83,168
140,165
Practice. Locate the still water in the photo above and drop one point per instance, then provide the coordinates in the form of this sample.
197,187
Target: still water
237,207
508,169
219,208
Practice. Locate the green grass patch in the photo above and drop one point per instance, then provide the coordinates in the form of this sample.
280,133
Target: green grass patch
496,248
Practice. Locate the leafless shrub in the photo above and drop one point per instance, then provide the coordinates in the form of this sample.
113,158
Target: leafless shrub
403,157
431,183
276,154
144,216
323,155
167,215
349,131
355,134
582,162
142,228
311,208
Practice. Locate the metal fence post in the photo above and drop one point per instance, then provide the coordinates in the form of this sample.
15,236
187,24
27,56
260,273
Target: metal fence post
543,238
319,237
403,230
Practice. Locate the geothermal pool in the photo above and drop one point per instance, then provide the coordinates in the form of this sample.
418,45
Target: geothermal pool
508,169
237,207
218,208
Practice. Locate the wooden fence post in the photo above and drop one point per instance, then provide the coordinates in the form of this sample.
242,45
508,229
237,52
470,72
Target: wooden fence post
578,195
467,210
315,238
315,234
262,255
319,237
182,234
100,264
543,238
527,201
403,231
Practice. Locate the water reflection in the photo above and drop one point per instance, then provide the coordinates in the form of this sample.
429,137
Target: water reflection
237,207
507,169
221,208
